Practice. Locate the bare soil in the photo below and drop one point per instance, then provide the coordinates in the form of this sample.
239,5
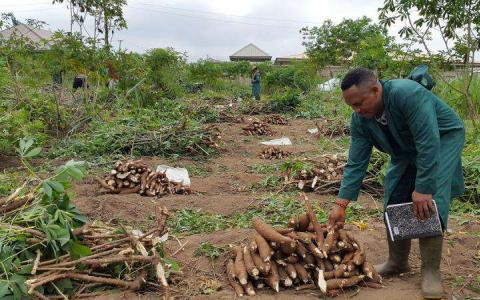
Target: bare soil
224,188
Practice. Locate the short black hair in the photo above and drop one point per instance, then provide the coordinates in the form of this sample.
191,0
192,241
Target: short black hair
357,77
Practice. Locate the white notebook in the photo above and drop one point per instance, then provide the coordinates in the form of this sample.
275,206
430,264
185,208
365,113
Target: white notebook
402,224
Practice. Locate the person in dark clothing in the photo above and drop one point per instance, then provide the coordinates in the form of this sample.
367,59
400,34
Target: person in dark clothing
256,83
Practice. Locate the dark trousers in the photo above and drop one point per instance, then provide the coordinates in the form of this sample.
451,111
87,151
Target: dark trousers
403,191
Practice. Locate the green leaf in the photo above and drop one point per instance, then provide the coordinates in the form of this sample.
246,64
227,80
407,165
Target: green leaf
78,250
33,152
4,290
173,264
17,293
63,236
20,281
26,270
57,186
64,284
74,172
46,189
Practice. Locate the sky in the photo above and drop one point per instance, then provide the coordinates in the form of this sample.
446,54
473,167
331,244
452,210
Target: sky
210,28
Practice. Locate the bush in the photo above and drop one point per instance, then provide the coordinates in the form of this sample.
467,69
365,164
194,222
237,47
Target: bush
316,104
165,73
285,100
300,75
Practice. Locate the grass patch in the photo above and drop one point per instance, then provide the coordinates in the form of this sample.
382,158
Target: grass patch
338,144
194,221
199,170
264,168
209,250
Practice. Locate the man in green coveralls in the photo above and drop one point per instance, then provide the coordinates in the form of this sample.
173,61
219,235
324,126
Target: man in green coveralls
425,139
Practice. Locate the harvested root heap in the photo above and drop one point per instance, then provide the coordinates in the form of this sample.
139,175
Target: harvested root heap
134,176
214,136
114,257
230,118
274,153
324,175
275,120
305,255
258,128
331,128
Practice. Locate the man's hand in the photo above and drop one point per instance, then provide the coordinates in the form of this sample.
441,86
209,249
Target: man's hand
337,215
423,207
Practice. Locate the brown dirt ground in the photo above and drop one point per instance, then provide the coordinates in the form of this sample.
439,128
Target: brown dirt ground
224,190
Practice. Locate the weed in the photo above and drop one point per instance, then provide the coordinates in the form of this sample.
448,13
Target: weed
270,183
9,182
263,168
355,212
196,221
199,170
209,250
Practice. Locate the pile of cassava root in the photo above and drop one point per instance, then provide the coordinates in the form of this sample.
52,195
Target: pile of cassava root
258,128
304,255
230,118
275,120
274,153
331,128
134,176
319,175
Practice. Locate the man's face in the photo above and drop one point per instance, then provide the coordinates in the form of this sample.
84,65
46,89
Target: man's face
365,99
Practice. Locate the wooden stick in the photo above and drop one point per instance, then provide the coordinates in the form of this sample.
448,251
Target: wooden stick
131,285
37,261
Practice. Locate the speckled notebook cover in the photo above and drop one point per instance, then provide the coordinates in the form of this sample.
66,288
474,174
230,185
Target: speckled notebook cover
403,225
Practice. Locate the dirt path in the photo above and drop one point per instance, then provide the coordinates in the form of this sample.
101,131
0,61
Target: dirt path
225,188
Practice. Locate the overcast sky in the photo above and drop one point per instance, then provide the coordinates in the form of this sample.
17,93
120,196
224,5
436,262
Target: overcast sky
213,28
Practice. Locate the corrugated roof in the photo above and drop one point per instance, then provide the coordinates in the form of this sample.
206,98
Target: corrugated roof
297,56
34,34
251,50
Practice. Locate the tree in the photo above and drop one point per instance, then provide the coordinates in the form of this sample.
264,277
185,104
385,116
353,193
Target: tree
332,44
107,16
458,23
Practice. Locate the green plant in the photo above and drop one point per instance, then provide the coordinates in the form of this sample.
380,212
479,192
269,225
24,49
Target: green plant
264,169
284,100
195,221
45,207
209,250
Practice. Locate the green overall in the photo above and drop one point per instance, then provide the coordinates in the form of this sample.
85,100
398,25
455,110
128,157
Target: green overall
256,85
428,135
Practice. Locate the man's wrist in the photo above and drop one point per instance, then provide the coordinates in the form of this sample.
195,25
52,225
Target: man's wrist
342,203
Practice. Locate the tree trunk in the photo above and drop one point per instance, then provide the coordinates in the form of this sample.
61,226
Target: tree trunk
105,28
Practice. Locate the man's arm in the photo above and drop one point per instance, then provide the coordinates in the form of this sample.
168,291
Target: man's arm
353,174
357,164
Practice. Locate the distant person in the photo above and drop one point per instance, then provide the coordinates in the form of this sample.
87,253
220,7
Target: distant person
424,138
256,83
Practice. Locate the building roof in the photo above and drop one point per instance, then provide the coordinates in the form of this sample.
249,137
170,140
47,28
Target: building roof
284,60
250,52
35,35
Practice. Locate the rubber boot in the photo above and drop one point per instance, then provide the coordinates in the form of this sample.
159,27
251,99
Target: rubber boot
431,254
397,261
